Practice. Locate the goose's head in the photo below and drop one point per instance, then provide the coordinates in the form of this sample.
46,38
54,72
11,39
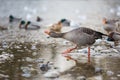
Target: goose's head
54,34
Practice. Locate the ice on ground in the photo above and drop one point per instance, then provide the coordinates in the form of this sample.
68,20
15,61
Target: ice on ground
62,64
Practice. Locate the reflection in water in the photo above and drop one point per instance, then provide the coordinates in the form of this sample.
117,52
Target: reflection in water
22,63
84,69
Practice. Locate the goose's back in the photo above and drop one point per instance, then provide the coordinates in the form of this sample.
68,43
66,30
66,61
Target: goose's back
110,26
81,36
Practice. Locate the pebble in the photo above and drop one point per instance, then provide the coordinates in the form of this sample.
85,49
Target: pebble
27,75
114,50
98,48
118,46
105,51
18,47
4,45
118,75
28,59
40,60
98,70
113,78
109,73
84,50
110,43
51,63
5,56
5,76
52,74
25,69
34,53
33,47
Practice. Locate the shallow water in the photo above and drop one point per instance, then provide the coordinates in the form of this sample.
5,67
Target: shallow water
27,47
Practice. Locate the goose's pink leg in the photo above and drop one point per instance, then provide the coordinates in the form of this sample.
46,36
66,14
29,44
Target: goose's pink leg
68,51
88,54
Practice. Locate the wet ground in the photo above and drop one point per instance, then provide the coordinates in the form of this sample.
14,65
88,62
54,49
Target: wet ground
23,51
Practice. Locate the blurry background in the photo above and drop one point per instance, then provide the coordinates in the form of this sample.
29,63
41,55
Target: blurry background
77,10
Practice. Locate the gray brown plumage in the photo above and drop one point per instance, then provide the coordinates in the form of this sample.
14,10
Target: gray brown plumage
81,36
110,25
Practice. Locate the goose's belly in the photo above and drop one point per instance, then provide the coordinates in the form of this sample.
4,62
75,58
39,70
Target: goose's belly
81,39
85,42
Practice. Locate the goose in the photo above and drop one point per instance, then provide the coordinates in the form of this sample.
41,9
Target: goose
81,37
109,25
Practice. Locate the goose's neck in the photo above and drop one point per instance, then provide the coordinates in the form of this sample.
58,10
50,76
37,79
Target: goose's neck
57,35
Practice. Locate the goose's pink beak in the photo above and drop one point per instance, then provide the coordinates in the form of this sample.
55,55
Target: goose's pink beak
47,32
